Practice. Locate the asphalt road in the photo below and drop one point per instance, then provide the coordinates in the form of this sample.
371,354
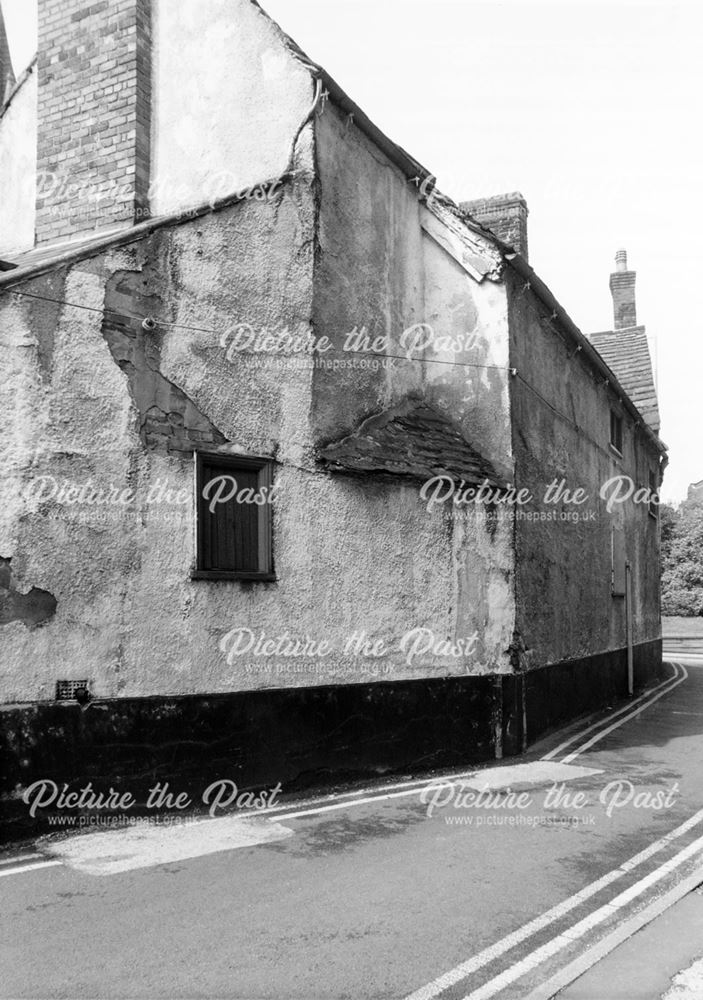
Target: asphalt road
367,896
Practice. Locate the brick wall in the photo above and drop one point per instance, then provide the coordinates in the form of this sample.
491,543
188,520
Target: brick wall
94,66
506,217
622,288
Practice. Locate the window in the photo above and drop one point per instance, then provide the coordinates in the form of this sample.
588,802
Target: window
653,497
233,517
616,431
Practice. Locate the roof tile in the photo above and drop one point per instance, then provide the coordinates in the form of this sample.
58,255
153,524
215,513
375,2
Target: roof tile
413,440
626,353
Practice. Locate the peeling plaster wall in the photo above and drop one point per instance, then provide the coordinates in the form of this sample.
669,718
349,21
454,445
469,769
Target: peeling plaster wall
471,384
18,168
378,268
33,608
81,390
228,98
369,274
565,606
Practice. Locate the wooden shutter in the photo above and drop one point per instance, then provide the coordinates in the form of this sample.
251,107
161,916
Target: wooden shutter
234,538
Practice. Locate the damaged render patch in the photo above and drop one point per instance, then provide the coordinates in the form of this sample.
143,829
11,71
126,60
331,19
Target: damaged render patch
33,608
168,418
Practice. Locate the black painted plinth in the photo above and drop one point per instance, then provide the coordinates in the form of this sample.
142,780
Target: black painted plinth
302,738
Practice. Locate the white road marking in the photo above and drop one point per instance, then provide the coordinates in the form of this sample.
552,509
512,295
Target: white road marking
494,951
27,868
488,778
368,791
143,847
626,718
613,715
534,773
578,930
18,858
363,796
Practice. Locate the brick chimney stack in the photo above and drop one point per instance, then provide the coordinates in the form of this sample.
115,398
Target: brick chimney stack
506,217
622,288
7,75
94,115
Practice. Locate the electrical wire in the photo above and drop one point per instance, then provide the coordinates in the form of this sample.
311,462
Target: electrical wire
218,333
374,354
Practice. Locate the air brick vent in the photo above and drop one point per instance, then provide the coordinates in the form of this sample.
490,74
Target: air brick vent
66,690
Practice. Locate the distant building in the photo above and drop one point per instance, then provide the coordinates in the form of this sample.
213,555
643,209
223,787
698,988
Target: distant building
243,279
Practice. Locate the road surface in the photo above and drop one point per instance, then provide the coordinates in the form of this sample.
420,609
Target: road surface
516,880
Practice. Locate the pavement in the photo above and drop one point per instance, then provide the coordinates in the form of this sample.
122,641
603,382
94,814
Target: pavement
658,961
570,872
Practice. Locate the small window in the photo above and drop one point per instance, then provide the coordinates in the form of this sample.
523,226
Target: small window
233,517
653,495
616,431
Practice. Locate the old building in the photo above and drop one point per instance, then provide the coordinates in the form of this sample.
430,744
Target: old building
268,292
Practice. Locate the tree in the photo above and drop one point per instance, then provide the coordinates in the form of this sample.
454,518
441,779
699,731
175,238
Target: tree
682,558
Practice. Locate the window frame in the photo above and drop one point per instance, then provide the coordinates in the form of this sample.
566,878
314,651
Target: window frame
617,439
264,467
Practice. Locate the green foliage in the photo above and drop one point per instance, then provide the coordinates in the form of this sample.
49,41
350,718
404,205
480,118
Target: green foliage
682,558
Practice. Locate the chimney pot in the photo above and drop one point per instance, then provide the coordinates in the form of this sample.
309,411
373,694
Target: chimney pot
621,260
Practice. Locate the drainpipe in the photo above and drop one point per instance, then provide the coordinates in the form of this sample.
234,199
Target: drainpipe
498,716
628,625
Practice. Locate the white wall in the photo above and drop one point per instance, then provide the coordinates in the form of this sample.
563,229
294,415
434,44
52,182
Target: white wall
227,99
18,169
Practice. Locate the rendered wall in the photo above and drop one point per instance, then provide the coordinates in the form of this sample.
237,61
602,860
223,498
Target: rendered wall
96,399
379,269
228,98
565,605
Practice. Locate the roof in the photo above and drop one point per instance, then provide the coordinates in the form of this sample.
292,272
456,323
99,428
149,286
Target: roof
7,75
11,92
49,256
626,352
49,252
412,439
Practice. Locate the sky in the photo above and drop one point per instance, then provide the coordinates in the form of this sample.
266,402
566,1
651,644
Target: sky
590,109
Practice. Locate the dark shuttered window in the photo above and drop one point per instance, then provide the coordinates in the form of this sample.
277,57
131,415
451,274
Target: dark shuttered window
233,517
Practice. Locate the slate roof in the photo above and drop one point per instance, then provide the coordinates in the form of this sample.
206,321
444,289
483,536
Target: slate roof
48,252
413,440
626,353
